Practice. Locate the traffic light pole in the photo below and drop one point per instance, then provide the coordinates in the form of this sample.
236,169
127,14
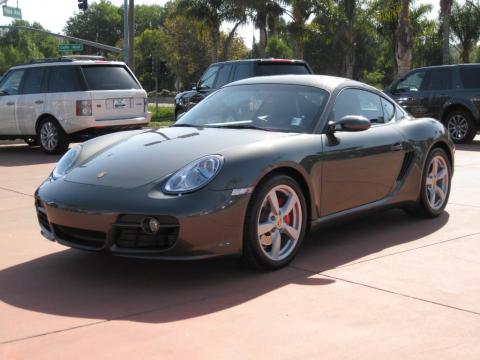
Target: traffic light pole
125,31
131,34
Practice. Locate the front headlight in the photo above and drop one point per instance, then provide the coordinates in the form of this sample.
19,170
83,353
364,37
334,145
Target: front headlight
194,176
66,162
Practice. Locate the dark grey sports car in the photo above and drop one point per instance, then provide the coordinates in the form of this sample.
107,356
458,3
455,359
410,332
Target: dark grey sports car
247,172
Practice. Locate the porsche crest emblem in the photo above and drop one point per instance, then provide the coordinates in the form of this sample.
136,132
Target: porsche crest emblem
101,174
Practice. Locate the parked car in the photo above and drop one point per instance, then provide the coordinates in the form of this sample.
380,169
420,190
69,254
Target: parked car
448,93
52,101
247,172
220,74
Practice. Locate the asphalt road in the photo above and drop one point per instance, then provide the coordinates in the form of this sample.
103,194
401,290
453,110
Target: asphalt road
382,287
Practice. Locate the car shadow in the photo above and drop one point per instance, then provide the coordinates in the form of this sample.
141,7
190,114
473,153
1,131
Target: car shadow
22,154
473,146
94,286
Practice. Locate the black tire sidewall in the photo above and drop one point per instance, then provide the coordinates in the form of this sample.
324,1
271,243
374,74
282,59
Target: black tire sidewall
424,203
251,244
62,143
472,130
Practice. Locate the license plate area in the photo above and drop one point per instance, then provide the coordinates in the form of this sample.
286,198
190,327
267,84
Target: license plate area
121,103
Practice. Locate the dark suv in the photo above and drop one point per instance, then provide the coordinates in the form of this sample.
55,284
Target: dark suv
222,73
449,93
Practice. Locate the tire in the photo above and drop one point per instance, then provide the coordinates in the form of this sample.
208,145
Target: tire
461,127
275,248
51,137
426,207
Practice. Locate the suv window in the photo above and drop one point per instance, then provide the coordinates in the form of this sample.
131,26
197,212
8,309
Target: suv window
470,76
242,71
32,83
63,79
413,82
223,76
265,69
440,79
108,77
359,102
208,78
11,82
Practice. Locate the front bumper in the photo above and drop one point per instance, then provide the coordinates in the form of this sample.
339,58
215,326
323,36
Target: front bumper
200,225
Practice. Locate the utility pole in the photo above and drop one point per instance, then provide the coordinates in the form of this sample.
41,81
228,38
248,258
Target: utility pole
125,31
131,34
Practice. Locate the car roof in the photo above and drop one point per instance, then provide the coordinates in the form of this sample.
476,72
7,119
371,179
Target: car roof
266,61
68,63
329,83
445,66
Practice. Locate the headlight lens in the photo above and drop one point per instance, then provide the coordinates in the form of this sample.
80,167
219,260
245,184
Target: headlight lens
66,162
194,176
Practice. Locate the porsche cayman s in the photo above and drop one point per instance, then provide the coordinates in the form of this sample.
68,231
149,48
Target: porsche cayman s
247,172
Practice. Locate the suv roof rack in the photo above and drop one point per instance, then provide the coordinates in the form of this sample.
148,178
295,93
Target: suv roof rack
67,58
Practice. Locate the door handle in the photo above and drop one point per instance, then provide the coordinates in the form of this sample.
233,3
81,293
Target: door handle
10,103
397,147
39,102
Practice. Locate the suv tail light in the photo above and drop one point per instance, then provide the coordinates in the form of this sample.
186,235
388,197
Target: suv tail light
84,108
145,105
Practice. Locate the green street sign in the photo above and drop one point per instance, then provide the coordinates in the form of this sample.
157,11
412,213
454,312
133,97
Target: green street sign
70,47
12,12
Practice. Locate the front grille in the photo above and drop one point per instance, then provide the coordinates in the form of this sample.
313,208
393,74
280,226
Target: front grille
84,238
130,234
42,216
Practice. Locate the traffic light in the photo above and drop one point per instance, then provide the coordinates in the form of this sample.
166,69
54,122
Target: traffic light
83,4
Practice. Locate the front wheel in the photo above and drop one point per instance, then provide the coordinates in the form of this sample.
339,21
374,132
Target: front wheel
436,183
53,140
275,223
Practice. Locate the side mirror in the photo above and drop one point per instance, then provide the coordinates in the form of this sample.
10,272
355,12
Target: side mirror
194,86
349,123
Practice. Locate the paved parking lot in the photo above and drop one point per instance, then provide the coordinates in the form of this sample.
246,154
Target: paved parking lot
382,287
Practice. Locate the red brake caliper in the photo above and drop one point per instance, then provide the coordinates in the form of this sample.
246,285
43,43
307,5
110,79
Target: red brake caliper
286,218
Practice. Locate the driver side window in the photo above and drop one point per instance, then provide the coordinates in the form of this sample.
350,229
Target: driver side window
11,84
208,78
413,82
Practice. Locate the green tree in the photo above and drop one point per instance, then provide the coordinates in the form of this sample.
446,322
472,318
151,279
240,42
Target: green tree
445,11
465,25
404,40
278,48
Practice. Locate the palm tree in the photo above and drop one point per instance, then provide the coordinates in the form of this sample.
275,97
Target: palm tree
300,13
465,25
445,11
349,7
404,40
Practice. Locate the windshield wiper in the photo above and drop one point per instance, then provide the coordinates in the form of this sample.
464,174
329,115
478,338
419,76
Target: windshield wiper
184,125
240,126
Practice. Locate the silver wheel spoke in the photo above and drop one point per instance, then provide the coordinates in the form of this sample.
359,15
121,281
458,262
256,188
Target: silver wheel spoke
437,182
273,200
440,193
288,207
276,244
430,181
293,233
266,227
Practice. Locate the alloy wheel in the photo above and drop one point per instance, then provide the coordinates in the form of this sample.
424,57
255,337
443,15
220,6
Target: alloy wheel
457,126
279,223
437,182
49,136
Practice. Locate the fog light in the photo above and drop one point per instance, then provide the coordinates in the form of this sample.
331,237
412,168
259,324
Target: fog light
151,225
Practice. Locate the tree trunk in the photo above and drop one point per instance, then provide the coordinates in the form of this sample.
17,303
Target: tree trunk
215,44
445,8
262,44
299,48
466,50
404,40
229,39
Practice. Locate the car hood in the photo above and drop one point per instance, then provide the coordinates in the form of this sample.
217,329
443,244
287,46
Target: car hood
148,156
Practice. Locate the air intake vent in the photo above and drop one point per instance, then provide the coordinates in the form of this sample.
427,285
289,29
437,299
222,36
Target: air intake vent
407,162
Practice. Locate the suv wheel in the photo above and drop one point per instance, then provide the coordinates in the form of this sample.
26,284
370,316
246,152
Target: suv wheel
52,138
461,127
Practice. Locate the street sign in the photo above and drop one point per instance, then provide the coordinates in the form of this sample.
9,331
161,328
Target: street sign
70,47
12,12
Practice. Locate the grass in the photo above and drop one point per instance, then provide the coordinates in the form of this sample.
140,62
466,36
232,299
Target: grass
164,117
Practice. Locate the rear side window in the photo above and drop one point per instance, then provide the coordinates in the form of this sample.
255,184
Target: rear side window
103,77
32,82
265,69
64,79
223,76
440,79
242,71
470,76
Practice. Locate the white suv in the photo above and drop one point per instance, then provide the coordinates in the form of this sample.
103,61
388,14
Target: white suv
51,102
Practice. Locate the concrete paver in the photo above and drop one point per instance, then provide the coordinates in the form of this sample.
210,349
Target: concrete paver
384,286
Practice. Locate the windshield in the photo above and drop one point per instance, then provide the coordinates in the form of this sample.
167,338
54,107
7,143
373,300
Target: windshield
108,77
278,107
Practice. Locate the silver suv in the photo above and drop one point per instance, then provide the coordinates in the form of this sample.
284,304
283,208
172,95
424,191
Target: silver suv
52,102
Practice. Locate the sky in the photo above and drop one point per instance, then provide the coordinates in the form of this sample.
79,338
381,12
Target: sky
53,14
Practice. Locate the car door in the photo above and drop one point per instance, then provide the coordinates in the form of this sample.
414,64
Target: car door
440,90
31,102
205,86
9,94
411,93
360,167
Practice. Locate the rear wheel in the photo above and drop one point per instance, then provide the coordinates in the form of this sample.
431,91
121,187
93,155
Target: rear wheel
275,223
436,181
461,127
52,138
